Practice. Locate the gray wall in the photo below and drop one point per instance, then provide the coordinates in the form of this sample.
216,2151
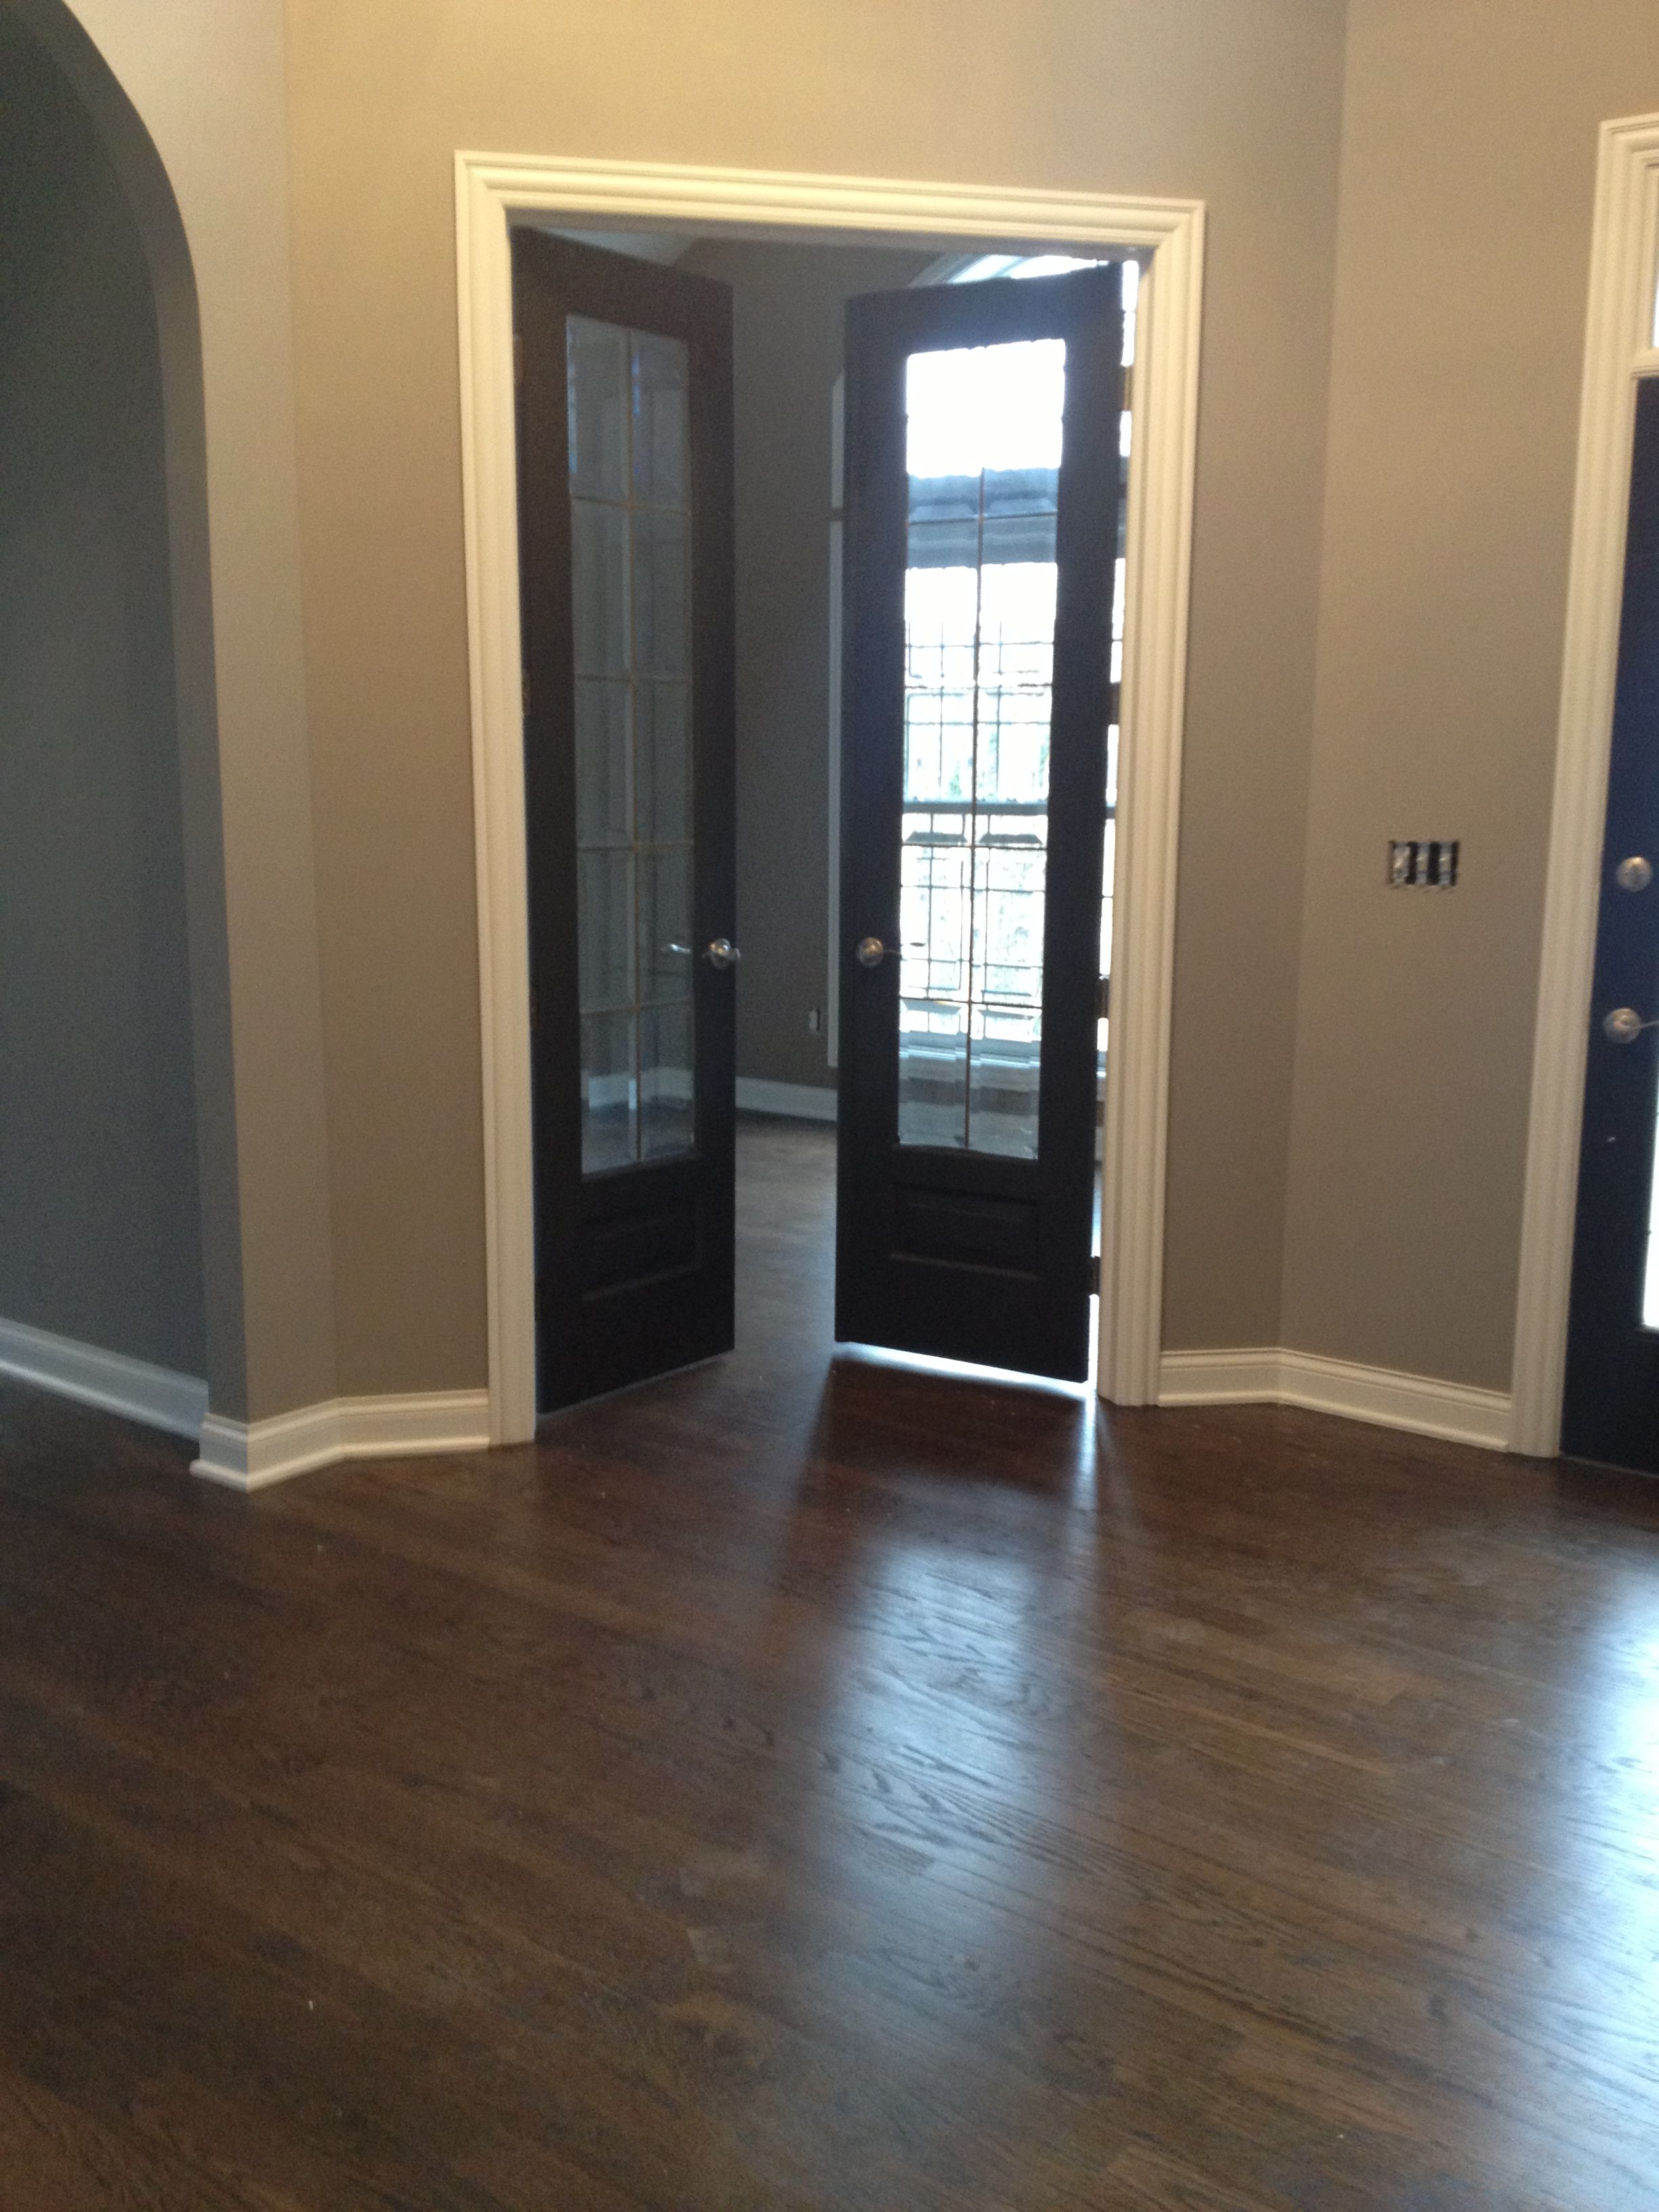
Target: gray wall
788,302
1468,167
1237,105
100,1209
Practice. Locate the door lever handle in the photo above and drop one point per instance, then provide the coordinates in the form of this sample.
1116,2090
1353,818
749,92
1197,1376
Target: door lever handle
1624,1025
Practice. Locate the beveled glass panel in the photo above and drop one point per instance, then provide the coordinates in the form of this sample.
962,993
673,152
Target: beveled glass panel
935,934
609,1091
631,604
977,409
1010,870
944,499
662,579
597,396
665,897
1021,491
1016,624
941,635
936,908
599,587
983,442
1025,539
952,544
605,798
663,755
605,929
939,736
667,1080
662,434
932,1073
1002,1099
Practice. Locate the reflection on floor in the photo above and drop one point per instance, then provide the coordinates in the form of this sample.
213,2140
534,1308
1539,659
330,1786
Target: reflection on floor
803,1784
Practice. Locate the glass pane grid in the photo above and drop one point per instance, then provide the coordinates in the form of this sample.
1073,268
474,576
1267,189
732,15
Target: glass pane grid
630,582
984,454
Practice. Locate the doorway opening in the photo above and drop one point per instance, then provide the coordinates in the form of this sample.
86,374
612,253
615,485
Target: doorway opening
1003,688
495,193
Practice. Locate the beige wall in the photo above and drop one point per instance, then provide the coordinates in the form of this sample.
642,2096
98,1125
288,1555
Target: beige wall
202,85
1467,165
1238,105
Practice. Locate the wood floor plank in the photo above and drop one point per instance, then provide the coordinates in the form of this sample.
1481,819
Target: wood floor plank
805,1784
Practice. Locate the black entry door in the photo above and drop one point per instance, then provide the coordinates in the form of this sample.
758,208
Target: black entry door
625,547
1611,1409
981,516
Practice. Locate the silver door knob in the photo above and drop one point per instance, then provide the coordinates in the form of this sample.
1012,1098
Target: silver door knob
1624,1025
1634,874
721,953
869,952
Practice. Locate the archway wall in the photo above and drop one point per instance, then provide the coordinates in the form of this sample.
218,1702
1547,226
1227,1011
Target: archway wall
101,1217
189,96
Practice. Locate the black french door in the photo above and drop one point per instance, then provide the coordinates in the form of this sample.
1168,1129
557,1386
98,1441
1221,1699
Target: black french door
1611,1408
626,558
983,475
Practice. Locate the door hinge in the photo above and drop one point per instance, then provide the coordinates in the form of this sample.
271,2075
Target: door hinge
1094,1276
517,356
1102,998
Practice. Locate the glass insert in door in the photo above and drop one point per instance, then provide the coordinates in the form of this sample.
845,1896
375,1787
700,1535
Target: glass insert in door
630,586
982,454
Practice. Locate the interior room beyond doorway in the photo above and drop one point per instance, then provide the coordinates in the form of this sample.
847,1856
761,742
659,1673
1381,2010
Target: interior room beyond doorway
972,918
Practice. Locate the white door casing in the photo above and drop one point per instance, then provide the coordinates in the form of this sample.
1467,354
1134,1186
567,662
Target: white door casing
491,192
1619,350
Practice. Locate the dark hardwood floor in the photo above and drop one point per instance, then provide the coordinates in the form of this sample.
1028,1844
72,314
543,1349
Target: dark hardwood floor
803,1784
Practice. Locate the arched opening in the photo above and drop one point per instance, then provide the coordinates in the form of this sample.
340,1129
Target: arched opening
110,890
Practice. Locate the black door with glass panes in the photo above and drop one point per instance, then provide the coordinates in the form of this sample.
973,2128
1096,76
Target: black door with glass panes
1611,1408
982,504
625,426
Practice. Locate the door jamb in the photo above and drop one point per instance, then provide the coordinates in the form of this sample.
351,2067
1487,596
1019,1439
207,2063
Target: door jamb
1619,350
490,191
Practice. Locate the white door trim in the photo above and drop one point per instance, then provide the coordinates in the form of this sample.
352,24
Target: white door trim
490,191
1619,350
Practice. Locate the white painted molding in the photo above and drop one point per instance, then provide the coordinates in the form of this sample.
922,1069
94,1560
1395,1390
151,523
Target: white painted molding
131,1387
1618,348
801,1102
246,1455
1251,1378
1154,711
1269,1376
490,191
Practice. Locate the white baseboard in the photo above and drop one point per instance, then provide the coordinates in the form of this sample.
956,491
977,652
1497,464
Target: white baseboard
801,1102
1220,1378
109,1380
249,1455
1268,1375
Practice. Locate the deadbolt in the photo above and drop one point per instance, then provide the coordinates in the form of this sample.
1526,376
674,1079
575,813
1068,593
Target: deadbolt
1624,1025
1634,874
